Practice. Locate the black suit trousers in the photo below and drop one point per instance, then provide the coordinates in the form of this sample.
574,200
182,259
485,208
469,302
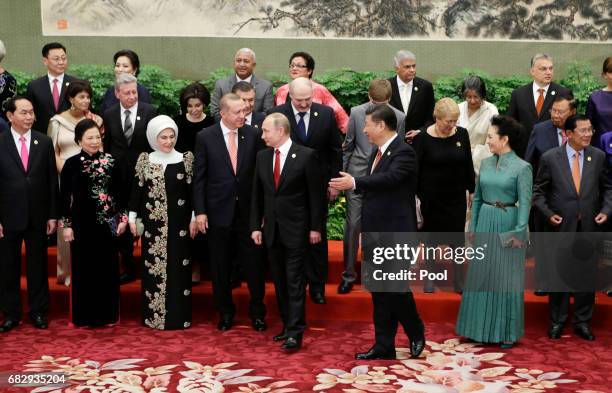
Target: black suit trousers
316,267
287,267
235,244
126,250
389,309
584,303
36,272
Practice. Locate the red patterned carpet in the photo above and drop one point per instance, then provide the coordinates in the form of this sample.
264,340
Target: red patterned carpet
131,358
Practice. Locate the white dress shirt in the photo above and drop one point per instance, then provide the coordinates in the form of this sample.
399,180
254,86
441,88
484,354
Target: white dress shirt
248,119
60,82
249,79
226,131
133,110
284,151
536,94
27,136
296,113
405,95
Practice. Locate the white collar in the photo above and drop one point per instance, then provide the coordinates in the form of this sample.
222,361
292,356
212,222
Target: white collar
17,135
295,111
401,83
158,157
384,147
132,109
60,78
284,148
249,79
225,129
536,87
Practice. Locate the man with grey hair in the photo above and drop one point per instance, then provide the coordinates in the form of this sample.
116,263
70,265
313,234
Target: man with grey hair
411,95
244,64
125,137
531,104
314,125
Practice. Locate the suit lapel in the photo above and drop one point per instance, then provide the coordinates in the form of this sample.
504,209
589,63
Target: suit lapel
12,149
48,93
528,97
34,153
63,91
565,168
414,97
288,111
384,159
587,168
223,147
268,163
313,123
550,95
289,161
553,139
244,139
119,126
395,97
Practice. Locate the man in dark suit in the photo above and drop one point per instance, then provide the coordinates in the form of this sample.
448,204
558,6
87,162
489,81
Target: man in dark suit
530,104
48,93
411,95
286,206
546,135
388,190
223,177
314,125
125,138
573,192
28,213
246,91
244,65
4,127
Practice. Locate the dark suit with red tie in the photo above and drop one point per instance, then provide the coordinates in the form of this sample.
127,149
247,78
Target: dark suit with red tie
40,95
225,197
288,213
324,137
28,199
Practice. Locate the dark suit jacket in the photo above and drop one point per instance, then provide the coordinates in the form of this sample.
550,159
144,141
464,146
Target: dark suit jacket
216,188
39,93
389,192
543,138
116,143
295,208
523,109
4,126
27,198
420,109
257,119
554,191
322,135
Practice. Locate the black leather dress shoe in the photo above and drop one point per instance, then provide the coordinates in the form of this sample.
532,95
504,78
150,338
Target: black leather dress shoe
125,278
40,322
259,325
373,354
280,336
555,331
317,298
416,347
9,324
225,325
345,287
584,332
292,344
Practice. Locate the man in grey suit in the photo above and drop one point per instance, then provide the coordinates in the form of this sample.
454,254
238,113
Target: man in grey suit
244,64
356,152
573,192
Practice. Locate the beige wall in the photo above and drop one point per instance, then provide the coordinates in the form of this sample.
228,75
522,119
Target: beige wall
194,58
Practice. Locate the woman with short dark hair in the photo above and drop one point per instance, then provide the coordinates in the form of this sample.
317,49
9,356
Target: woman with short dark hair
492,306
194,100
93,214
125,61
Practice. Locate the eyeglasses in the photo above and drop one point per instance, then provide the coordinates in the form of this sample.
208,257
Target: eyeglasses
558,112
298,66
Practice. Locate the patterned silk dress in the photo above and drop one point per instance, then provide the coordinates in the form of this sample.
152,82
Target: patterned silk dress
162,198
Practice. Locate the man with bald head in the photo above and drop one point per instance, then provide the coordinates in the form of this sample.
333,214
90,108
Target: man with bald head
244,65
314,125
223,174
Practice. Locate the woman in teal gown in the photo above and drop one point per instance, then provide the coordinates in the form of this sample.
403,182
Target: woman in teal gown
492,306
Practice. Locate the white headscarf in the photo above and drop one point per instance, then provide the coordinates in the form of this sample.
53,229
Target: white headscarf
154,128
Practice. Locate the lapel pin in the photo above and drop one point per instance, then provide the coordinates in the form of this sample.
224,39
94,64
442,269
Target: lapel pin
610,144
137,117
67,84
35,141
458,144
416,88
293,155
256,126
316,114
82,158
388,153
589,158
552,93
242,137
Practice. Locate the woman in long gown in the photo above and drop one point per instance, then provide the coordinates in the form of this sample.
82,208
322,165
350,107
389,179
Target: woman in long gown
492,306
61,131
161,197
91,202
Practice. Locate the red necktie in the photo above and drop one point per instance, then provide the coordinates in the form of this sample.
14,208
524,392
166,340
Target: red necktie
24,153
277,170
376,160
56,95
540,102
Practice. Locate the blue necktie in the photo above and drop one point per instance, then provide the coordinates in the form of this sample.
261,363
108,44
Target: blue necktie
301,127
